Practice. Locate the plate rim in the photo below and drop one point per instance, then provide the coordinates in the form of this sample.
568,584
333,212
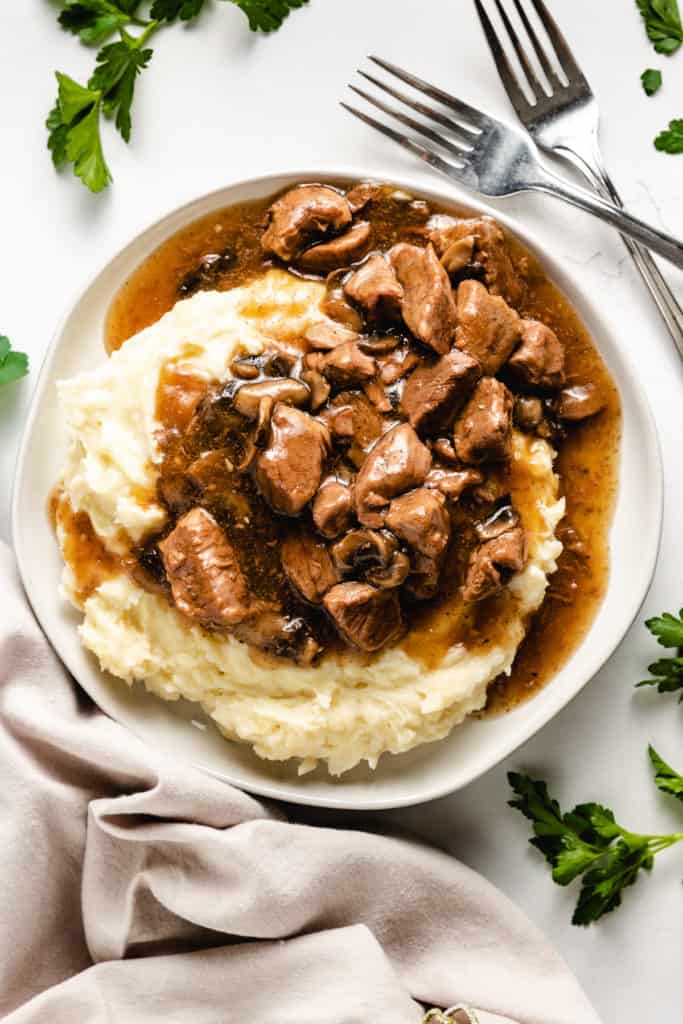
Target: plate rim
589,311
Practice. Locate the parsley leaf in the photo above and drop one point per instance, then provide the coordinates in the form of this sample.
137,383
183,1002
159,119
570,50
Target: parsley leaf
74,127
267,15
666,778
667,628
662,20
671,140
652,81
93,21
169,10
588,842
13,365
118,65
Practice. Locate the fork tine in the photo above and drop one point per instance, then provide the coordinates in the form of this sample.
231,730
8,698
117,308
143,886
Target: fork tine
514,90
471,114
560,44
423,109
534,84
410,122
548,69
433,159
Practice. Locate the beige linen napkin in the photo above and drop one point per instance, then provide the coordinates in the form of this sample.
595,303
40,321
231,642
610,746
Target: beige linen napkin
135,889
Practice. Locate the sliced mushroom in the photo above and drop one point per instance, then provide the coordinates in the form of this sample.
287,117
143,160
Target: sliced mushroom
320,389
339,252
248,398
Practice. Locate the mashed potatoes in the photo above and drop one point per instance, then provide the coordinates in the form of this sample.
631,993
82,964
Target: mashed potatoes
344,709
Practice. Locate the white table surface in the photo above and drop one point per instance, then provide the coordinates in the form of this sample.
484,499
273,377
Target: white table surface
218,104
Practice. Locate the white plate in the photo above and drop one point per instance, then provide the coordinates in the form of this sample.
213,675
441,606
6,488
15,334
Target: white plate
429,771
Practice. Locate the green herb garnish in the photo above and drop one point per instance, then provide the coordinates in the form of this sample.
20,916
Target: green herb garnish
13,365
74,123
652,81
662,20
671,140
667,673
587,842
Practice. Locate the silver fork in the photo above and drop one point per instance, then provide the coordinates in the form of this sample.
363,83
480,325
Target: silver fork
566,123
492,158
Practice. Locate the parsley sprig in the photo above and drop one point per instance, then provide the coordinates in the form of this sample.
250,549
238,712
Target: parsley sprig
588,842
74,123
667,673
662,23
13,365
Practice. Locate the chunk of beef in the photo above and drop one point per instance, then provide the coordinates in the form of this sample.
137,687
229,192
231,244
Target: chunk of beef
488,329
206,580
350,417
360,195
397,462
423,582
399,365
452,482
340,252
420,519
248,397
375,288
288,472
578,402
528,413
376,395
302,214
539,359
333,508
492,564
480,241
483,431
327,334
428,307
347,364
283,635
431,393
308,567
366,617
177,492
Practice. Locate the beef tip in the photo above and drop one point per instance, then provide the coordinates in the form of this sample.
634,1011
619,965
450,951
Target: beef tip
308,567
375,288
177,492
431,392
332,509
288,472
318,386
423,582
482,242
399,365
282,635
453,482
327,334
248,397
367,617
488,329
206,580
360,195
539,359
428,307
420,519
376,395
528,413
340,252
302,214
396,463
347,364
484,429
492,564
578,402
350,417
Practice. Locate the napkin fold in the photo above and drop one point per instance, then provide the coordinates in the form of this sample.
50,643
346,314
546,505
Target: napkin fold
136,889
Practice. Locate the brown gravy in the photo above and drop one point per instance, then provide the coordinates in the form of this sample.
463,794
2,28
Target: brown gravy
587,464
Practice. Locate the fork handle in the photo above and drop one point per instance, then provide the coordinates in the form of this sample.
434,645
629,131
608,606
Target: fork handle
592,168
625,222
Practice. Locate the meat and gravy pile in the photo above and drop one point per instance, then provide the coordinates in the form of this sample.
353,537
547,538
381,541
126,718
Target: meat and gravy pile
285,491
